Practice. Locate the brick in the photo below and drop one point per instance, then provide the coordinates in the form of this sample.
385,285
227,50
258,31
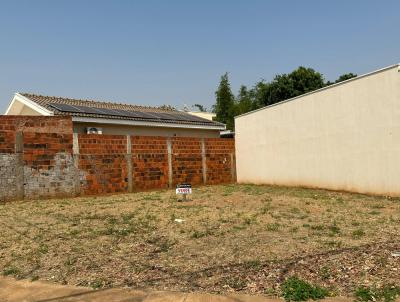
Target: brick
150,162
49,167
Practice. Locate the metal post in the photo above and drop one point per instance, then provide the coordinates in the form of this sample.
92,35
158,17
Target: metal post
233,167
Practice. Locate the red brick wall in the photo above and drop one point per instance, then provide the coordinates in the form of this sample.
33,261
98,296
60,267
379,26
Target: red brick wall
150,162
40,149
7,141
47,166
40,124
7,123
102,161
10,124
7,135
186,160
219,153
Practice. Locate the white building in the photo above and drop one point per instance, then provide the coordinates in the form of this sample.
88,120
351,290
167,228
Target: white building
341,137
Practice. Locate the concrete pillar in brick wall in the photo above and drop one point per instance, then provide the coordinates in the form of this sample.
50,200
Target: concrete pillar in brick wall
233,167
129,163
19,165
169,148
204,160
75,154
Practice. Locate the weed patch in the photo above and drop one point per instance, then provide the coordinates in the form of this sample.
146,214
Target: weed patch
386,293
273,227
11,271
357,234
295,289
226,237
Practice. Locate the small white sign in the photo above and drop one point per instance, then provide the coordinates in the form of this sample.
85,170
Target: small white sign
184,189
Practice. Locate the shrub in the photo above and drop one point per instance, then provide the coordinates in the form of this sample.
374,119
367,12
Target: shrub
295,289
386,294
11,271
364,294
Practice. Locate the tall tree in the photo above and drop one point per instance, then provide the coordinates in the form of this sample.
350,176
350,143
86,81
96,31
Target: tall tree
286,86
258,94
244,101
282,87
346,76
305,80
343,77
225,103
200,107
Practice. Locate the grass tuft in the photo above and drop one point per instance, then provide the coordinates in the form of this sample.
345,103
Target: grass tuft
11,271
386,293
295,289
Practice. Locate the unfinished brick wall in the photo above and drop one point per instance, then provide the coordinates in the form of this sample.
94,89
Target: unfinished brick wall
41,157
150,162
48,164
7,141
220,160
8,161
102,163
36,157
186,160
40,124
9,182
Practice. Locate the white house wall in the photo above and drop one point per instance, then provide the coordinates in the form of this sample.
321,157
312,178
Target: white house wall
147,131
28,111
346,137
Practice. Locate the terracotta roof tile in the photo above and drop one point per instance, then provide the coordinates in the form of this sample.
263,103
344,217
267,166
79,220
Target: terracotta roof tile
46,101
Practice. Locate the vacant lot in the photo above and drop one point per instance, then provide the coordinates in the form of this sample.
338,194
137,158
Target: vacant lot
226,238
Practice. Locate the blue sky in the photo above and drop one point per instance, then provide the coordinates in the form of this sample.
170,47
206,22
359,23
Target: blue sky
174,52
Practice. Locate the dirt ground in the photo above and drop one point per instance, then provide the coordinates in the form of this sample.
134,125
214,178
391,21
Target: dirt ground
228,238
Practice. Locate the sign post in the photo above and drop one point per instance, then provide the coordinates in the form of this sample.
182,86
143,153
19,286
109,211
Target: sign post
183,189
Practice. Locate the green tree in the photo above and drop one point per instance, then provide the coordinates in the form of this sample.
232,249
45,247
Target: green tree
200,107
286,86
305,80
282,87
244,101
258,94
225,103
346,76
343,77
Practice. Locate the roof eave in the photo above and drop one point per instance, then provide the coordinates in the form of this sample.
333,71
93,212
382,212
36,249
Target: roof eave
31,104
144,123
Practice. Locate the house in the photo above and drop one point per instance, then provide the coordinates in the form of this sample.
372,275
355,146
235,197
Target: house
203,114
89,116
342,137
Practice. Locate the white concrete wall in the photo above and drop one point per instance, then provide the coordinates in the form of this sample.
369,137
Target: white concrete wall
207,115
346,137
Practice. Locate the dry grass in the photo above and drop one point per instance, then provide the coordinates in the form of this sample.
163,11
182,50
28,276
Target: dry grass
235,237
